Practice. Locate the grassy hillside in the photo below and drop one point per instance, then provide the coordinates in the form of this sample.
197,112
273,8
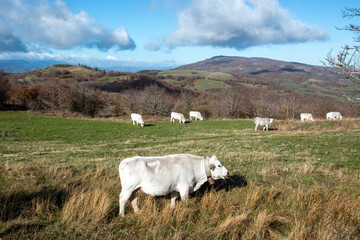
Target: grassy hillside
59,179
306,79
200,81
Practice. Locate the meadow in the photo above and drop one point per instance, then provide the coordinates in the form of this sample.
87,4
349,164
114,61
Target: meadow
59,179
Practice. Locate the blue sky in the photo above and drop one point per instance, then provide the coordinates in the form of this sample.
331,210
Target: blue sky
166,33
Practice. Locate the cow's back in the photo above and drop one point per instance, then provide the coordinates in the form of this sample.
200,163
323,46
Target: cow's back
158,175
261,121
136,117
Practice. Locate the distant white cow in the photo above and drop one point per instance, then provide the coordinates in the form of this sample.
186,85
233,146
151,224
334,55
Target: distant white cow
177,116
196,115
333,115
306,117
266,122
136,118
158,176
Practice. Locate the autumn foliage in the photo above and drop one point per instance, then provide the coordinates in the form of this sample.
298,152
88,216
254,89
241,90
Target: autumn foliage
99,93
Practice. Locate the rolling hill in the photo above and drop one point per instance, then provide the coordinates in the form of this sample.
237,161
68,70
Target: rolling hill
218,74
256,72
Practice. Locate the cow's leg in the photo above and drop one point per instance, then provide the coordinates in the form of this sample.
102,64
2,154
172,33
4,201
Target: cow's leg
133,200
124,196
256,127
184,194
133,122
174,195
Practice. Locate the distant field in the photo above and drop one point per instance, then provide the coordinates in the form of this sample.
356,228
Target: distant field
205,84
205,81
187,73
318,90
191,73
59,179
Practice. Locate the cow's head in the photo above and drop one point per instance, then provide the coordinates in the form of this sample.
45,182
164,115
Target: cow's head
217,170
271,120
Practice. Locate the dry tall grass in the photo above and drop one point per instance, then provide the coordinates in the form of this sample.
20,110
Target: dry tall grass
317,125
90,206
281,187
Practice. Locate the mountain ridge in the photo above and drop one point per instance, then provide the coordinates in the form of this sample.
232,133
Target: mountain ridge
263,67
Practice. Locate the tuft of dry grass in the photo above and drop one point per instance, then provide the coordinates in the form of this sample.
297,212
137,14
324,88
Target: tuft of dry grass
317,125
90,206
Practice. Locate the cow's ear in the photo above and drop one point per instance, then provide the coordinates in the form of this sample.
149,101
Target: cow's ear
214,157
212,166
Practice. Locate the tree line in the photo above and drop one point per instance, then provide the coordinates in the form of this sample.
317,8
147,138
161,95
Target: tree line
148,95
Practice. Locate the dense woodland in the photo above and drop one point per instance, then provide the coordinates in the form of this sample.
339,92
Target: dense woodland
90,93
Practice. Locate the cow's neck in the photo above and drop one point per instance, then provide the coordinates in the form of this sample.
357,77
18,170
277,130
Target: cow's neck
201,176
207,171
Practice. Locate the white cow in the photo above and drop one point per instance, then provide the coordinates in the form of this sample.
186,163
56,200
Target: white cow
266,122
158,176
177,116
137,118
306,117
333,115
196,115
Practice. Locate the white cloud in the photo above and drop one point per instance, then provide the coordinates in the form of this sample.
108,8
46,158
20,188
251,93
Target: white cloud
53,24
112,58
239,24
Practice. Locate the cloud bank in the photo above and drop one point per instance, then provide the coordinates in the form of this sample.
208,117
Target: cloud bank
238,24
52,23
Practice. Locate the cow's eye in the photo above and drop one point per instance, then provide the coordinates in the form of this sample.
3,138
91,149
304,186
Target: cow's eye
219,165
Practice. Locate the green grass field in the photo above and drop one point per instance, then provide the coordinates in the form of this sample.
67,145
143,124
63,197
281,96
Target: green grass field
205,81
59,179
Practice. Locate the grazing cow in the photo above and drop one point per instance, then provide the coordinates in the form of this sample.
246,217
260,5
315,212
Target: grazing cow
266,122
195,115
136,118
177,116
333,115
157,176
306,117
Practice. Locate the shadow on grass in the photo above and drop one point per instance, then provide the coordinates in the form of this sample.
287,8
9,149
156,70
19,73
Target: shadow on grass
229,183
20,203
234,181
149,125
21,229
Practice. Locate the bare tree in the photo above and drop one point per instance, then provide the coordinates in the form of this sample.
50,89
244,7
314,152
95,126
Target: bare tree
291,104
132,101
230,104
157,101
185,103
4,89
347,60
85,100
264,103
53,94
